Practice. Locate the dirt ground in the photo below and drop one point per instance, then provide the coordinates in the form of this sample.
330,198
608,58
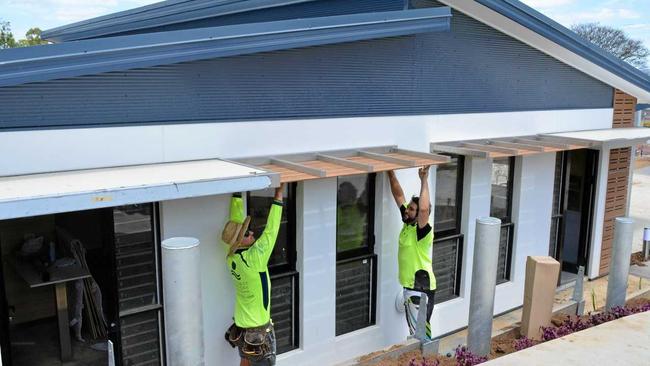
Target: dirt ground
597,290
406,358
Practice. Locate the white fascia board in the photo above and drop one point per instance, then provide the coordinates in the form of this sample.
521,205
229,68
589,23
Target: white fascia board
543,44
40,194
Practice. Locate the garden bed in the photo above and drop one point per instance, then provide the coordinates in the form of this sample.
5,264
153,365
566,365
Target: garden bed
511,341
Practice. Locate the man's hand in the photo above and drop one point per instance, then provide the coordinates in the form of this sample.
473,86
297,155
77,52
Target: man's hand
279,192
424,172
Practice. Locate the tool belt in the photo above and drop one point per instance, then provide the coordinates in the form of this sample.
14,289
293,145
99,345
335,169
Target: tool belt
254,344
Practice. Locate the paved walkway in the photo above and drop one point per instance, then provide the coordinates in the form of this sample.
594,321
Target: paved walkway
627,343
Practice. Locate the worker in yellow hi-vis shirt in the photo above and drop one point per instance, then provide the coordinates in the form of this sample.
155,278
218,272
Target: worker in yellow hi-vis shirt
247,261
414,252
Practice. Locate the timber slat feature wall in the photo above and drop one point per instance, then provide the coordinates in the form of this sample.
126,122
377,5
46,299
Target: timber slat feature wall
624,108
618,174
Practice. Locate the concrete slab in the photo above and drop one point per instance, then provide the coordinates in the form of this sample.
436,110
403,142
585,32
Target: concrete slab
625,341
643,272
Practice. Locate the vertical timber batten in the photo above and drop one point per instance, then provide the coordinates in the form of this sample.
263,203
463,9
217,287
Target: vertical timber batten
618,176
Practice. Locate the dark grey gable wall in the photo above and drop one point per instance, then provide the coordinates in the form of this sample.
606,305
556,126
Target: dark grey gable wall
472,69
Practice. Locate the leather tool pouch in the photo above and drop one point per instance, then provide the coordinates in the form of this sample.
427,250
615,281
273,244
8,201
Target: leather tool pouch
234,335
257,343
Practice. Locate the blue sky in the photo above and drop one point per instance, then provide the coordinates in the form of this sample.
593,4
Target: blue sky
631,15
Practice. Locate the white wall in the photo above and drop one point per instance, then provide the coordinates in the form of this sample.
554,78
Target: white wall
532,207
204,217
316,238
593,268
24,152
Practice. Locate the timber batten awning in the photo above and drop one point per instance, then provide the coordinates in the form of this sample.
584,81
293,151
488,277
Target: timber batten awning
327,164
542,143
507,146
49,193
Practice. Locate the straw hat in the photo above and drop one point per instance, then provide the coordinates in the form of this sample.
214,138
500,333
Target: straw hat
234,232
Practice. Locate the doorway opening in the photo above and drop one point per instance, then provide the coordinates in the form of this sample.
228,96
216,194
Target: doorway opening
77,288
573,206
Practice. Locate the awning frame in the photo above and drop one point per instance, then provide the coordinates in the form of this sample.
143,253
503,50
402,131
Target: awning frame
508,146
300,164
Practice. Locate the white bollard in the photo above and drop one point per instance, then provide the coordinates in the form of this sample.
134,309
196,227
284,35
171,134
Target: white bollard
484,280
619,265
181,259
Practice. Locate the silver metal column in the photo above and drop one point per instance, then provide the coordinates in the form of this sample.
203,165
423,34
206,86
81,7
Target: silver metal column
484,279
619,267
181,259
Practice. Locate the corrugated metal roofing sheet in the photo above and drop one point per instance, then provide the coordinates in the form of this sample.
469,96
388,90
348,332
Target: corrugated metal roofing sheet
158,14
31,64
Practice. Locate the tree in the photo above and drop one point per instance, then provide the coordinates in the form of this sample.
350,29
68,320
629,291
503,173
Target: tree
6,37
32,38
615,41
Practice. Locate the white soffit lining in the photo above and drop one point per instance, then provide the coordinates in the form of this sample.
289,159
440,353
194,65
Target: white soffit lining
543,44
631,135
39,194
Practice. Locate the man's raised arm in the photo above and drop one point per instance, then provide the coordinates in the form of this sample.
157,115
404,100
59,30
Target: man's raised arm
424,205
396,189
237,208
266,241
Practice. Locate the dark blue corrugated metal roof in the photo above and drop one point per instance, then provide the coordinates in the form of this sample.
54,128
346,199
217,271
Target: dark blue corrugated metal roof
76,58
179,11
158,14
557,33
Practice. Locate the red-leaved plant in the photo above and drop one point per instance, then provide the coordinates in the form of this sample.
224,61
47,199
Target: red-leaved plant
523,343
466,358
575,324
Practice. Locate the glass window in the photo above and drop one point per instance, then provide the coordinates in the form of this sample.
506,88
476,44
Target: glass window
355,267
501,208
282,264
501,188
448,196
448,243
556,214
353,213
